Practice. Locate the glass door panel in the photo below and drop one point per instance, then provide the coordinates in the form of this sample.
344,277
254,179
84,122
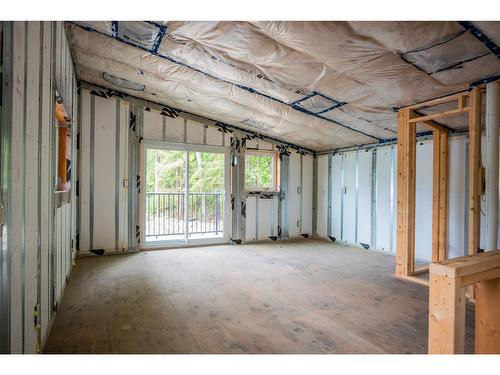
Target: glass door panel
165,195
206,195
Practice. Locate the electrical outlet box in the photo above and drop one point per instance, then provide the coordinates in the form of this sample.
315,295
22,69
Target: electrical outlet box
125,182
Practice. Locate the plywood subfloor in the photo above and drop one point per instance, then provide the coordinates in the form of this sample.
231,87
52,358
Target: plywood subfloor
303,296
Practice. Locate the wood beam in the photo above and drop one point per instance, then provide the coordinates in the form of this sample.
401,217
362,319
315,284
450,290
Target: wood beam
474,171
405,249
434,125
443,196
487,336
439,196
436,191
433,116
433,102
448,281
446,316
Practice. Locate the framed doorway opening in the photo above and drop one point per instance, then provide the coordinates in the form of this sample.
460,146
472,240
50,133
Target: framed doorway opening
185,195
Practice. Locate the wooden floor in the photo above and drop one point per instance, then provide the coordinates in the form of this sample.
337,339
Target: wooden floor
303,296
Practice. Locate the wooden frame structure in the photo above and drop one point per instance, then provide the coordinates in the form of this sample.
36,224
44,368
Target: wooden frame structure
448,281
408,117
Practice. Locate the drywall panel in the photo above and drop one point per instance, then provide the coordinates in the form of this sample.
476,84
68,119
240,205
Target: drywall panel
123,181
73,176
364,202
46,102
213,136
174,129
17,187
57,254
394,197
31,199
227,140
86,118
322,193
307,194
261,221
153,126
482,222
67,242
104,174
336,186
251,218
31,219
383,199
457,195
294,196
194,132
267,217
423,201
263,145
251,144
349,197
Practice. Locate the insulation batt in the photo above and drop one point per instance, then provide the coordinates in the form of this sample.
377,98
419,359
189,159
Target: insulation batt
260,75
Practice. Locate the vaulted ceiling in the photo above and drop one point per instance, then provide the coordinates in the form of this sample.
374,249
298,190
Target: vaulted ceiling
320,85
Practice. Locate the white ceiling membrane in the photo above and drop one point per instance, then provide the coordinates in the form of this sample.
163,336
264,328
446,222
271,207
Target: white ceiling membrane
320,85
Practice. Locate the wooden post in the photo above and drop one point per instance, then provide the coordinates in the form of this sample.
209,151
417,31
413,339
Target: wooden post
443,195
405,248
446,316
474,171
448,281
487,338
436,178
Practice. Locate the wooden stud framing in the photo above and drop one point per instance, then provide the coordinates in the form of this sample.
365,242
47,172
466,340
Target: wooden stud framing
446,316
466,102
448,280
487,294
405,250
437,101
440,196
474,171
443,196
451,112
436,196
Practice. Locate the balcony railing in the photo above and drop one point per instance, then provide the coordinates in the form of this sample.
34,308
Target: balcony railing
165,214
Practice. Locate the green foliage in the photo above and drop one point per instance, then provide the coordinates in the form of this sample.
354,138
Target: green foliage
258,172
206,171
165,170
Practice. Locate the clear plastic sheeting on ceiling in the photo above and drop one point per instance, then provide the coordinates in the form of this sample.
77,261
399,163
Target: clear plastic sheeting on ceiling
320,85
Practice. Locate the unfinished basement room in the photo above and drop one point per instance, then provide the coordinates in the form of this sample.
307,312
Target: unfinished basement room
250,187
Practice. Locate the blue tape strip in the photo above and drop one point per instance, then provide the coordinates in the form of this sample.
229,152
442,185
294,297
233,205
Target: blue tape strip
249,89
298,104
468,26
159,37
474,30
314,93
485,80
435,44
114,29
339,104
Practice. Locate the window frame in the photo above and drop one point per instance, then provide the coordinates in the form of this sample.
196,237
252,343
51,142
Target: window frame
275,170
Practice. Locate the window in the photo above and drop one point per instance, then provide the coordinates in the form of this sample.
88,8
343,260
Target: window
261,171
63,146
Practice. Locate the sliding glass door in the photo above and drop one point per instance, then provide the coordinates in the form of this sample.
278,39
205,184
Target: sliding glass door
185,198
206,195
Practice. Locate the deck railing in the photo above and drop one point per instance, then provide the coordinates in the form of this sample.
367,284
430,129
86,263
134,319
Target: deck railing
165,213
